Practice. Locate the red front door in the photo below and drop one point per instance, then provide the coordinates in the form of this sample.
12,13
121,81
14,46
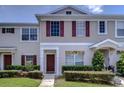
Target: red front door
50,62
7,60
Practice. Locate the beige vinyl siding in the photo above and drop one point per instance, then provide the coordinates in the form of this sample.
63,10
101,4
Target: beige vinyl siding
94,37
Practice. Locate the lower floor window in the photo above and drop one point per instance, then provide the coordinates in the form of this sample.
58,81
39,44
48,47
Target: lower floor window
74,58
29,60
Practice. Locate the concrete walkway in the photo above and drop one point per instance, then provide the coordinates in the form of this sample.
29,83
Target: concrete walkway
122,82
48,81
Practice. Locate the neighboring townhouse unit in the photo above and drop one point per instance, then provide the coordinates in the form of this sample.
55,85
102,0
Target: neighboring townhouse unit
66,36
19,44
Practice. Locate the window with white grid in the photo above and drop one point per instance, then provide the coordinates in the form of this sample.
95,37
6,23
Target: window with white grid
80,28
74,58
29,59
120,28
29,34
55,28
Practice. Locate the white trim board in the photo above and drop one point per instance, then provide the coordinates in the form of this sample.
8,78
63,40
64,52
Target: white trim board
75,44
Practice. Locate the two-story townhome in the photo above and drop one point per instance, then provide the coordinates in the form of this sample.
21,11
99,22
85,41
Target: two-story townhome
66,36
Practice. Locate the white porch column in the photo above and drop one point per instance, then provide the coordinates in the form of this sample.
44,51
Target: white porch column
113,57
42,60
2,64
57,62
13,58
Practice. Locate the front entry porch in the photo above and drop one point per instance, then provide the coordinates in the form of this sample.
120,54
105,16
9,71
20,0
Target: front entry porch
6,57
109,49
49,60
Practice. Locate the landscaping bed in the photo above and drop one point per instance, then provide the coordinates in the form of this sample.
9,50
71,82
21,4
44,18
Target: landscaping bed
19,82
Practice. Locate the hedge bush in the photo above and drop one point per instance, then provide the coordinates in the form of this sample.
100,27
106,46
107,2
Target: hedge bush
14,73
98,61
120,65
8,73
77,68
23,68
89,76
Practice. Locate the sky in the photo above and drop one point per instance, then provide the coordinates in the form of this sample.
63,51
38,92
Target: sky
21,13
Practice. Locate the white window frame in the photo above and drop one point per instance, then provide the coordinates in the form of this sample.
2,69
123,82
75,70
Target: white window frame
74,58
81,35
116,36
59,29
106,32
29,35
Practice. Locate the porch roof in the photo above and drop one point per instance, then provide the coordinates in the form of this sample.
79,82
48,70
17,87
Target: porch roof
108,43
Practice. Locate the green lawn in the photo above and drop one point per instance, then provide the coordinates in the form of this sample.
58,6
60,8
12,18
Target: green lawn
60,82
19,82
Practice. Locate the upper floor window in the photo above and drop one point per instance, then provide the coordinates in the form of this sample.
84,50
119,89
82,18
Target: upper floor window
8,30
68,12
29,34
120,29
80,28
102,27
55,28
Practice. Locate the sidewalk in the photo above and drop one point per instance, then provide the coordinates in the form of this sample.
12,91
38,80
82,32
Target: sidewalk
48,81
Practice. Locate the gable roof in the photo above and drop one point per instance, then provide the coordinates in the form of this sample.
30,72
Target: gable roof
104,42
70,7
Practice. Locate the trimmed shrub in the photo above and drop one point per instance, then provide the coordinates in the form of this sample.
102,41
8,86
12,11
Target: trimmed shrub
29,68
15,67
8,73
89,76
120,65
23,68
35,74
14,73
77,68
98,61
36,67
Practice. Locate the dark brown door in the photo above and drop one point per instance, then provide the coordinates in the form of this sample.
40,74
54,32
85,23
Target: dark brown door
7,60
50,63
